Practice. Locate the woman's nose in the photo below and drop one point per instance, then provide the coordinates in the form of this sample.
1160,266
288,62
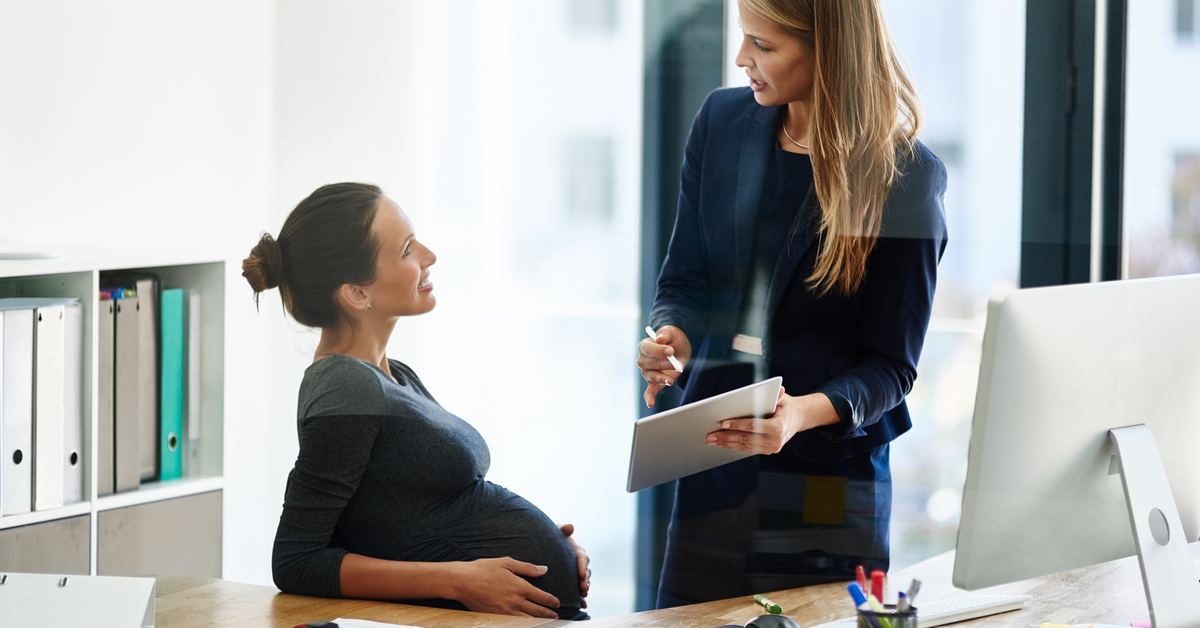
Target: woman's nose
742,60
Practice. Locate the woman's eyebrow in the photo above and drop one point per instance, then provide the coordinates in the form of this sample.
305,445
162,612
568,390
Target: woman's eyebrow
751,35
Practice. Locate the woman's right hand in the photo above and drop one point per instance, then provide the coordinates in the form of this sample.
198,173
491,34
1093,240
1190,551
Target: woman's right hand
652,360
494,585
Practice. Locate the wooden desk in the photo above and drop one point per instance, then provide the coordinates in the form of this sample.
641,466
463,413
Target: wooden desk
1108,593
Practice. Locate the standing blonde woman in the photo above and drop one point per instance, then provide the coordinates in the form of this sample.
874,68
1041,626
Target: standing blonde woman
809,229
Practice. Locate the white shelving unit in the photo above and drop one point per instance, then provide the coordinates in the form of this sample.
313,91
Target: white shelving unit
78,275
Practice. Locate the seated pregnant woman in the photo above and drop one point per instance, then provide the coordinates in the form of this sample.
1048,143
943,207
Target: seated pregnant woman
388,498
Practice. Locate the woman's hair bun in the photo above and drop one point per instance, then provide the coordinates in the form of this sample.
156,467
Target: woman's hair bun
264,268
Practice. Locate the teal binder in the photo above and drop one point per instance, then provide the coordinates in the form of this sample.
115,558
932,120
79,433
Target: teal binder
171,435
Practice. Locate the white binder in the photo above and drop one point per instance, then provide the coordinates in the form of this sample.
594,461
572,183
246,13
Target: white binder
16,431
73,405
49,369
49,601
104,398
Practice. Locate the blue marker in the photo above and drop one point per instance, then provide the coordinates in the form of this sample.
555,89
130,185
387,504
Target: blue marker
860,602
856,592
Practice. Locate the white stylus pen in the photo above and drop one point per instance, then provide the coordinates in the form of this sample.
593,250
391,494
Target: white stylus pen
675,363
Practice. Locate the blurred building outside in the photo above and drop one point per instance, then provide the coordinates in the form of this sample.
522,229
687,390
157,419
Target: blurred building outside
1161,203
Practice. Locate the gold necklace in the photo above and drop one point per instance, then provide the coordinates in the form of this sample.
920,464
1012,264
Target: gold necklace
789,136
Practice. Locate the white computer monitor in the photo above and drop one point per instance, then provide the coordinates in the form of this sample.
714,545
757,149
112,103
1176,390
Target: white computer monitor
1060,368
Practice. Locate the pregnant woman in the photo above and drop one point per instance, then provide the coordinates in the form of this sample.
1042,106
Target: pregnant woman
388,498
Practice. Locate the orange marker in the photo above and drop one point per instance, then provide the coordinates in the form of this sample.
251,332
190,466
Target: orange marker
877,584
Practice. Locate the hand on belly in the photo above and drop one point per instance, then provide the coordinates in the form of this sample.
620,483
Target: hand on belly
494,585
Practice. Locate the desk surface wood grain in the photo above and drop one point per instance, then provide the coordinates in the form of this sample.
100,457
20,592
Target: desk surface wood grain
1107,593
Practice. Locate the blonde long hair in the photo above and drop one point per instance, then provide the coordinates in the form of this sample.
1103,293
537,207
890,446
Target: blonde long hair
865,120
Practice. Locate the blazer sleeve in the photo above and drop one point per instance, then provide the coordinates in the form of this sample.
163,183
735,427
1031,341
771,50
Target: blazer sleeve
897,304
683,294
334,453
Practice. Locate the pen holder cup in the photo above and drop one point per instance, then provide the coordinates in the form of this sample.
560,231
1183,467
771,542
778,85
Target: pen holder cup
890,618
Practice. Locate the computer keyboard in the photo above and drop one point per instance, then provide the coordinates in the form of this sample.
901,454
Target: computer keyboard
950,610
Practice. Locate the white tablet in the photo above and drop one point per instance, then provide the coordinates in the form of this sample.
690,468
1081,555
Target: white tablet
672,444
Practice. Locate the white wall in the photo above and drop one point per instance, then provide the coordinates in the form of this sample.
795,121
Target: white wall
134,119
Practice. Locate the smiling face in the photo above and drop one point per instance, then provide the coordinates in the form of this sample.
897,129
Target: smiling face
402,286
779,63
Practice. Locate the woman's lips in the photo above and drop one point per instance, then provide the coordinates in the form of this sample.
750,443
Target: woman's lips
757,86
425,286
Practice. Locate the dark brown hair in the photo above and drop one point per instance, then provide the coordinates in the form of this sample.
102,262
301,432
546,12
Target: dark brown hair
325,242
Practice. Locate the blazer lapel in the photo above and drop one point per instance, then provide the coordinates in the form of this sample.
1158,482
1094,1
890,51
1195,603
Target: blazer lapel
801,237
757,135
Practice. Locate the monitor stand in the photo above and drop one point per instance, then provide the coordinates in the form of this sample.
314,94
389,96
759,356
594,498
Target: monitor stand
1172,591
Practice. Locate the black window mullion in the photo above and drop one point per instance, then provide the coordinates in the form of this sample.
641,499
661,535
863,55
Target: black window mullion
1056,212
1056,195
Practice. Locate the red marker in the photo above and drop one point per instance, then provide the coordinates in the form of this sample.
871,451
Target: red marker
877,584
861,577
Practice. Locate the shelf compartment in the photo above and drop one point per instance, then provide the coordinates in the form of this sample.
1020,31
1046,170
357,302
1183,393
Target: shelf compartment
204,458
77,275
59,546
158,491
82,286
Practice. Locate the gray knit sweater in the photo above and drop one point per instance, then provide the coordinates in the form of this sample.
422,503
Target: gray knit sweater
384,471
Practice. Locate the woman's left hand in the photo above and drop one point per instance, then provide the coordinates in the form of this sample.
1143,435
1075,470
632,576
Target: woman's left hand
581,558
768,436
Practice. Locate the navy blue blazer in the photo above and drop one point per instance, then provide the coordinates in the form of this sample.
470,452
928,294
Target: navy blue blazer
859,350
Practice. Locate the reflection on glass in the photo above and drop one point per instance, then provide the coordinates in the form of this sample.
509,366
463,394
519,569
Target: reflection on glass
593,15
1185,20
535,152
968,62
1161,205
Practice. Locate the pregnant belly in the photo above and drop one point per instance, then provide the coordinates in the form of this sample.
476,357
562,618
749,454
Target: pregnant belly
493,522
